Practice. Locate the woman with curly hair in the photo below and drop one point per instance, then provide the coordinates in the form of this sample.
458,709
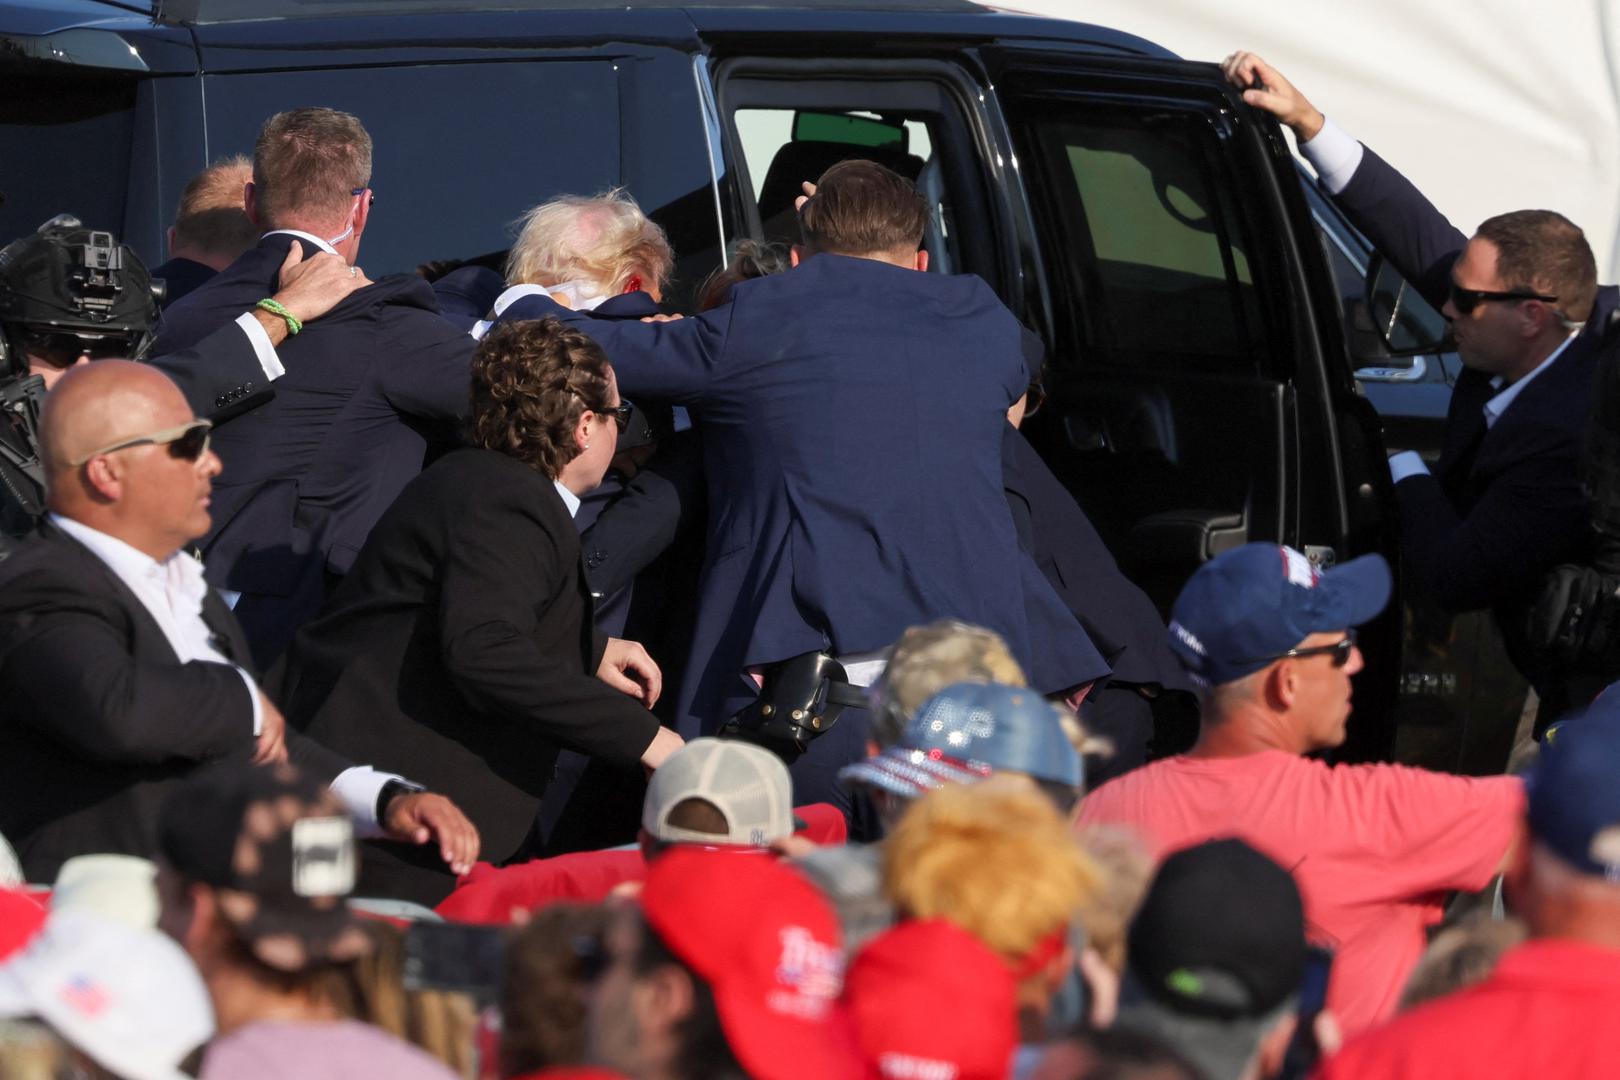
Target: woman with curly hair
460,651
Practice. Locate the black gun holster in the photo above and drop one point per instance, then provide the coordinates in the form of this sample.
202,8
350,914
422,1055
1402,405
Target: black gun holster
799,701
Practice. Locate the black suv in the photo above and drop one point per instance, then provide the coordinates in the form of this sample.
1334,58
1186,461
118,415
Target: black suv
1202,305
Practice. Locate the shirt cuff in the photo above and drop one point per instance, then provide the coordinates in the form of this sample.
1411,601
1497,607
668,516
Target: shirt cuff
1334,155
266,352
1406,464
358,787
258,702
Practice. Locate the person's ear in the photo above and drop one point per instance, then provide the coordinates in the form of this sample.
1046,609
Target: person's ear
922,260
582,430
169,239
250,203
1280,685
797,254
362,213
105,478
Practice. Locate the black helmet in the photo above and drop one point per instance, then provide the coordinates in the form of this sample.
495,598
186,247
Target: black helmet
67,279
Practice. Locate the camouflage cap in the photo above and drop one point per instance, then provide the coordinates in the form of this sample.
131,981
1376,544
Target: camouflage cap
279,850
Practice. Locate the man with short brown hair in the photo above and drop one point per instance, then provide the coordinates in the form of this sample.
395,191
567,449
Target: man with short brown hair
852,413
211,227
357,401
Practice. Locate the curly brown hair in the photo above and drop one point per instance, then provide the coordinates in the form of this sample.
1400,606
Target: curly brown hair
531,380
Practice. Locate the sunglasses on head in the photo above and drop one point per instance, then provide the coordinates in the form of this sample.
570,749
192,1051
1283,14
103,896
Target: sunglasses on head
1466,300
187,442
1339,651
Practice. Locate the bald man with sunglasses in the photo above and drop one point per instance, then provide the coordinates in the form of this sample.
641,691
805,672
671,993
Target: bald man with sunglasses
1504,504
121,671
1271,642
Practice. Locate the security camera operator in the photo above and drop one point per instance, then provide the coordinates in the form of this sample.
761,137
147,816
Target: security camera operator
69,294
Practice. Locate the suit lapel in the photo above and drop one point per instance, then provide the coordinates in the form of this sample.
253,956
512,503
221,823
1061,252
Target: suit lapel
97,571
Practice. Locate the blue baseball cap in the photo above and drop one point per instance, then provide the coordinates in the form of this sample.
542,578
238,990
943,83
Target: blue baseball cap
1251,604
1574,797
968,731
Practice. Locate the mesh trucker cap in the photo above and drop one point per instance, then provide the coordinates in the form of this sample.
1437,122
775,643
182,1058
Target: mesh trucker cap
967,731
748,784
280,850
1245,607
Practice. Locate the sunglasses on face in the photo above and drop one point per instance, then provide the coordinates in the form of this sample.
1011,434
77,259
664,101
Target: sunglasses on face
1466,300
1339,651
186,443
620,413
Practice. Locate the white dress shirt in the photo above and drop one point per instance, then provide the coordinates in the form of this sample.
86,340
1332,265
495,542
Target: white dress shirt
172,591
569,499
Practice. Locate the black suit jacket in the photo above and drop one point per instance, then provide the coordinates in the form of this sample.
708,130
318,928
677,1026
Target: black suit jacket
460,651
1504,505
101,718
309,470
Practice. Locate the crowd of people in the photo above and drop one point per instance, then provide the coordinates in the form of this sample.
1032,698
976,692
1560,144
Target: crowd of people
497,676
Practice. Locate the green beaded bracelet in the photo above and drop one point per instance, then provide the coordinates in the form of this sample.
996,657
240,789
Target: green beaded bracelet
293,325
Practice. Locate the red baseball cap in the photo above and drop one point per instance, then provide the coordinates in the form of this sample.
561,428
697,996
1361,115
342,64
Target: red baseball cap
21,916
770,949
930,999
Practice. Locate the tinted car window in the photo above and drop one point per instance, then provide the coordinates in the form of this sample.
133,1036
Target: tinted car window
459,150
66,148
1167,278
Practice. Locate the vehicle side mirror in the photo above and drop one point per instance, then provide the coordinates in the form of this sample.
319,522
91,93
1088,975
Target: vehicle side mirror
1405,323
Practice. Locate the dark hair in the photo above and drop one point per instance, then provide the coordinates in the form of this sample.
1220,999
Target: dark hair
863,208
1122,1054
698,815
309,161
704,1053
531,380
543,1011
211,217
749,259
1543,251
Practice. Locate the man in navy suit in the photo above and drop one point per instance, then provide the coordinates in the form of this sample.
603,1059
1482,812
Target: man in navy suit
210,230
852,411
355,402
1505,503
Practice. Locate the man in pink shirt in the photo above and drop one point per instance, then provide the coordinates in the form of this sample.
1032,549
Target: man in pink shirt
1375,848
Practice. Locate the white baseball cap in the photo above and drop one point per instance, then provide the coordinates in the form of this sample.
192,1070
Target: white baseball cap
127,997
748,784
118,887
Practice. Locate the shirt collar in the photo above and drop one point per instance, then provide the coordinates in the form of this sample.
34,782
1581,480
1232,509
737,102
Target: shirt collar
127,562
304,236
1496,406
569,499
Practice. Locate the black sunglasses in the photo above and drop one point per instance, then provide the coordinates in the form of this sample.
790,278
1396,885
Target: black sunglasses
1340,651
186,443
361,191
620,413
1466,300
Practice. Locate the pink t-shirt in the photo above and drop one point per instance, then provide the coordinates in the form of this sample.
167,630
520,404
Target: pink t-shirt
1373,847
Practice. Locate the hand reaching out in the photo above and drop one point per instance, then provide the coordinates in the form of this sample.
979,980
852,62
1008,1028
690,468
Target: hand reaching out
419,817
627,667
1274,94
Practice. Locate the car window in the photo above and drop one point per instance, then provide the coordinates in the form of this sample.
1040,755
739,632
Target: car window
473,151
66,150
1150,230
784,147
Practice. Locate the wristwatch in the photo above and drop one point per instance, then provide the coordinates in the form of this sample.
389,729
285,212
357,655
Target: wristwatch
390,790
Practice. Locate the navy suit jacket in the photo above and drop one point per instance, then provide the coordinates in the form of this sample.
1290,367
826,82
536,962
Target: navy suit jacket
466,294
1505,504
852,418
182,277
313,465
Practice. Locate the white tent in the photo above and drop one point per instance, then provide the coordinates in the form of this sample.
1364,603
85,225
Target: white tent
1488,105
